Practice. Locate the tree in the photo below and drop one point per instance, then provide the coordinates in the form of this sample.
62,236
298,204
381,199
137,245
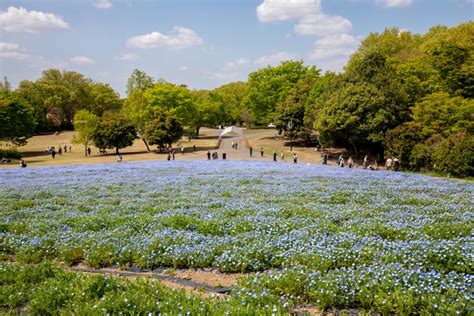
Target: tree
16,119
34,95
85,124
163,129
137,111
207,110
231,97
138,80
64,93
114,131
5,85
267,87
176,99
455,155
103,99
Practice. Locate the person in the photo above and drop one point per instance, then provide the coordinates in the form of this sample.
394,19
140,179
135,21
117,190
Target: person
396,164
22,163
388,163
173,154
89,151
341,162
208,155
339,159
261,151
182,150
274,156
325,159
60,150
70,148
295,158
53,153
366,159
236,145
169,156
194,148
65,148
119,158
350,162
282,156
250,150
233,144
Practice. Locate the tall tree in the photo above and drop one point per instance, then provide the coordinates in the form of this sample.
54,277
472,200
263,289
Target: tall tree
114,131
16,119
138,80
136,110
163,129
231,97
85,124
267,87
103,99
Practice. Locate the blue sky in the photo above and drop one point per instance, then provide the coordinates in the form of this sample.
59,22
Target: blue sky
203,44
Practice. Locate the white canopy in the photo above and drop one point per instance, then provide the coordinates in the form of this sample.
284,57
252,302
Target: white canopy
232,129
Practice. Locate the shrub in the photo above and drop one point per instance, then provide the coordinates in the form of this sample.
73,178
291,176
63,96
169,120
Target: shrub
455,155
11,153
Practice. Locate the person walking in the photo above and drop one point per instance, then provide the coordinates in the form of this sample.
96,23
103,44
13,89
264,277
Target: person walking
325,158
182,150
341,162
250,150
169,156
194,148
282,156
89,151
364,163
350,162
295,158
261,151
274,156
60,151
53,153
208,155
388,163
119,158
396,164
173,154
65,148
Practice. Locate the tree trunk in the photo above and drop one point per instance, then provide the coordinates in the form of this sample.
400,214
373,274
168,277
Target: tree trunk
146,144
354,147
197,131
85,150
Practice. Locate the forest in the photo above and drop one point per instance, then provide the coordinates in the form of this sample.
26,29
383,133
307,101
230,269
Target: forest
400,95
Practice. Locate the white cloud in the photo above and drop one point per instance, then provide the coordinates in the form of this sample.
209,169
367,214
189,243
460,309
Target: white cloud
323,25
332,52
183,68
127,56
237,63
394,3
282,10
81,60
103,4
10,50
274,59
180,38
21,20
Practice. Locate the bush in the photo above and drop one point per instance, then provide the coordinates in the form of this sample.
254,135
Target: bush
455,155
11,153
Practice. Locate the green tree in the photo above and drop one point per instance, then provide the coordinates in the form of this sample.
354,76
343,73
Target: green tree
114,131
455,155
103,99
231,97
138,80
16,119
136,110
34,95
207,110
163,129
85,124
267,87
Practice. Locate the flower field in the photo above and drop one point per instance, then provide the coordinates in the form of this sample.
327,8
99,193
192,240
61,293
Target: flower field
326,236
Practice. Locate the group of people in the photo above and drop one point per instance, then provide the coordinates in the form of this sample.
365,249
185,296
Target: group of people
341,162
59,151
235,144
392,164
215,155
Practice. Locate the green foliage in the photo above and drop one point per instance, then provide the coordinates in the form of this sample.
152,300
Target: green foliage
103,99
231,98
455,155
267,87
114,132
163,129
16,119
138,80
85,124
11,153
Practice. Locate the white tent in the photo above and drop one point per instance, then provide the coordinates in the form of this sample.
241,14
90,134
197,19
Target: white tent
233,129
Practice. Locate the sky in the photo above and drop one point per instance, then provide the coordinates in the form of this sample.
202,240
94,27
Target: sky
200,43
